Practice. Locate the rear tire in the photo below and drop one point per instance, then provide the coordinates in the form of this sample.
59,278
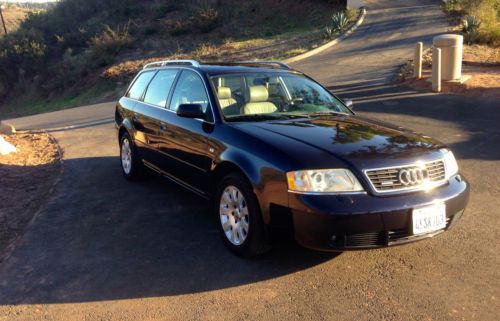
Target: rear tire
238,216
131,164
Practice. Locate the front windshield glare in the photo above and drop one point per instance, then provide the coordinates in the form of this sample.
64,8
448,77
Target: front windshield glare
269,95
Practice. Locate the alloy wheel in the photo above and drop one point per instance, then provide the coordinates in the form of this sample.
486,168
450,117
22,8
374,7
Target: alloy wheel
234,216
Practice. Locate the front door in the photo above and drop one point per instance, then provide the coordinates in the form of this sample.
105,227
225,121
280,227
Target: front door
185,140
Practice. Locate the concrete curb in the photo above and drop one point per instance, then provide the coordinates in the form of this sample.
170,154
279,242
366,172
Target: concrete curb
11,129
328,44
76,126
6,129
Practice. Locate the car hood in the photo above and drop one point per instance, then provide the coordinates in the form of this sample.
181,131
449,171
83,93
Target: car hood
353,139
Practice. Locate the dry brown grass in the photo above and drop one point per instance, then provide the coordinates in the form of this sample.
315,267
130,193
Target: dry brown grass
26,178
13,18
481,54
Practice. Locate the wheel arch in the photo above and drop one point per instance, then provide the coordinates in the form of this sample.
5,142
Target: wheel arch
223,169
125,127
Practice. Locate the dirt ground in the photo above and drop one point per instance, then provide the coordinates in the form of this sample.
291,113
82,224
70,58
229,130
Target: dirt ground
481,54
26,178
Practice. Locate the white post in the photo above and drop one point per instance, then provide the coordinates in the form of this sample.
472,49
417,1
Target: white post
354,4
436,69
417,68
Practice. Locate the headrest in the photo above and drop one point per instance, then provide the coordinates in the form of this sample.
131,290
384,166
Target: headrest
258,93
224,92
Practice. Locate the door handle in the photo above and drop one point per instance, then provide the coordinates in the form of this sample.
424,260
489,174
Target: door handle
163,127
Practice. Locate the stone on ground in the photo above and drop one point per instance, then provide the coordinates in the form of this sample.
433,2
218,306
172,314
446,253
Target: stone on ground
6,147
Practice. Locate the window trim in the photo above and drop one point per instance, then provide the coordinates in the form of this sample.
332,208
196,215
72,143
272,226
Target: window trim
174,87
210,105
135,80
143,96
280,73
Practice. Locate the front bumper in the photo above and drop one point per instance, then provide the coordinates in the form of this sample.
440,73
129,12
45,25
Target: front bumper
363,221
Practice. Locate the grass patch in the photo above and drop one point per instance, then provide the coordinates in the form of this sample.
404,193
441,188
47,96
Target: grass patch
31,103
13,18
485,12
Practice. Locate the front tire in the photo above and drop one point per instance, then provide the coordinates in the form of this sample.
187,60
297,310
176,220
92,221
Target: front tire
132,167
239,218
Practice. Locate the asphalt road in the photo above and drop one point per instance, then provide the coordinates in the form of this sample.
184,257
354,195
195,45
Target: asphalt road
385,41
107,249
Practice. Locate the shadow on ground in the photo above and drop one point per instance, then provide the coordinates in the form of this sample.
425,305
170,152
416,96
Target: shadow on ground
103,238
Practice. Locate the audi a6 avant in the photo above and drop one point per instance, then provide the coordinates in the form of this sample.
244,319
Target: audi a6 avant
274,150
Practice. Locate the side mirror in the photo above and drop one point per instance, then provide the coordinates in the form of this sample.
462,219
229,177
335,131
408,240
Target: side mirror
191,111
349,103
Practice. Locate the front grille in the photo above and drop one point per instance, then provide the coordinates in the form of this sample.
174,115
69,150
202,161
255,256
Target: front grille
365,239
387,179
381,238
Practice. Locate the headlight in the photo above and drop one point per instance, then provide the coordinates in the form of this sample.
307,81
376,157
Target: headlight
323,181
450,163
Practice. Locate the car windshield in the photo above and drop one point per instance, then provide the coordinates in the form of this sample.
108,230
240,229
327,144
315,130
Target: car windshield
267,96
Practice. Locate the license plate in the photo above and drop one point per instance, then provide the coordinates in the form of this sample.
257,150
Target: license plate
428,219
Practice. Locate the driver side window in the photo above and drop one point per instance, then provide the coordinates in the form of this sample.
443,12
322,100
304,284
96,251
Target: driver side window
189,90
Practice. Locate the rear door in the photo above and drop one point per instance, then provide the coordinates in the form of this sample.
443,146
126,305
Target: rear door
185,140
150,110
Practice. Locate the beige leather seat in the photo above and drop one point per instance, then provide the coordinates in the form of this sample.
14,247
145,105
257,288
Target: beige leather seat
225,98
258,103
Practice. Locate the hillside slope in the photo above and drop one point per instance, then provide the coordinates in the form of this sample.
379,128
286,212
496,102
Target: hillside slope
82,50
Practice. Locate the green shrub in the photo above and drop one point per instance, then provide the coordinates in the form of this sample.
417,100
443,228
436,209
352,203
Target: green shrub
470,29
485,11
201,20
111,41
328,32
207,19
178,27
339,22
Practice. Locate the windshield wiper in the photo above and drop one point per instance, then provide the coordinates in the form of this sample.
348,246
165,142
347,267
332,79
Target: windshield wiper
260,117
323,113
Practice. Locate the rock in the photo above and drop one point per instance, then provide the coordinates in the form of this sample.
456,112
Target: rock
6,147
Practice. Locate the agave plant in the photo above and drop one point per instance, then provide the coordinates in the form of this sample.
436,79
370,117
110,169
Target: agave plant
470,29
340,21
328,32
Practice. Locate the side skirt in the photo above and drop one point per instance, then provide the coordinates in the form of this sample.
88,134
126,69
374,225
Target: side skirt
176,180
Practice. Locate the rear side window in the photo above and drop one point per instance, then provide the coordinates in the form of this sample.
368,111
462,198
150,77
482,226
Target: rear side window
140,84
189,90
159,88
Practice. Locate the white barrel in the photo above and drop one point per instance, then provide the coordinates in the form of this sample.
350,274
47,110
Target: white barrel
451,55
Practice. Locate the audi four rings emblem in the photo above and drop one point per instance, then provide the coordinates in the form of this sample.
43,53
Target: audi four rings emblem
413,176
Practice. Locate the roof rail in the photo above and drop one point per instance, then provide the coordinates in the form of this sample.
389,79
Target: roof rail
162,63
266,62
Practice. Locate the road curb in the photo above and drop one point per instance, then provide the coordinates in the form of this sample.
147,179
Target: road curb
12,129
6,128
328,44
